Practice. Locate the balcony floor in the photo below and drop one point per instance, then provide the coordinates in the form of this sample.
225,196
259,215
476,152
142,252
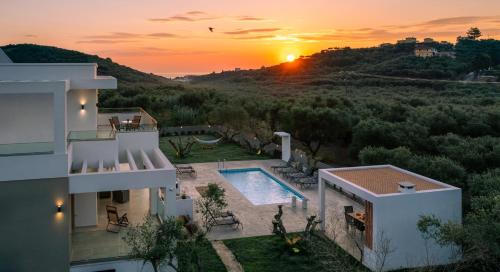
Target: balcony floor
90,243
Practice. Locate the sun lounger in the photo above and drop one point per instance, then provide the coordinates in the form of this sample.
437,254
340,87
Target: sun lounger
225,219
309,181
115,220
187,169
286,165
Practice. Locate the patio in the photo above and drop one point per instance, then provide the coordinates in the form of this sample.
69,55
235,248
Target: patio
256,220
90,243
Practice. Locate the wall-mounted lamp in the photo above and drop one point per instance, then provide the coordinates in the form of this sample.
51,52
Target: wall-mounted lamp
83,106
59,207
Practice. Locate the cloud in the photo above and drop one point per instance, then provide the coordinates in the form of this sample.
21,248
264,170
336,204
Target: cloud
153,51
190,16
30,36
258,37
124,37
163,35
250,18
252,30
105,41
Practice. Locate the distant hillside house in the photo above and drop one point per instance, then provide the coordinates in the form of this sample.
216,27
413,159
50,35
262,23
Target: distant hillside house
429,40
449,54
408,40
425,51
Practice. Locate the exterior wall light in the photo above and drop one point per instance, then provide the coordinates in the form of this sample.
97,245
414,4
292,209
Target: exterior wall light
59,207
83,106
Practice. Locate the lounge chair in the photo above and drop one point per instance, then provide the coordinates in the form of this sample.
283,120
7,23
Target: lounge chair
349,220
136,122
309,181
306,172
225,219
188,169
295,168
115,220
286,165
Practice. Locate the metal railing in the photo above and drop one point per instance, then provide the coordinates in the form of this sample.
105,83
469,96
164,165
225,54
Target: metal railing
125,117
91,135
24,149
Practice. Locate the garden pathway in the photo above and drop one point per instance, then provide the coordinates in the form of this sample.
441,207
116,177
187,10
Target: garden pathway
227,257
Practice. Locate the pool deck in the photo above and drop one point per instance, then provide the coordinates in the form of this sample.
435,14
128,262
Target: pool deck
256,219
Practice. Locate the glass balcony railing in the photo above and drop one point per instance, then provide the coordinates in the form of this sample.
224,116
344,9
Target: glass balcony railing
91,135
22,149
126,120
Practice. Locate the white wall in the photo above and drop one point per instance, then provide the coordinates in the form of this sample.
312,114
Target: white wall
93,151
26,118
119,266
78,119
85,209
397,216
135,141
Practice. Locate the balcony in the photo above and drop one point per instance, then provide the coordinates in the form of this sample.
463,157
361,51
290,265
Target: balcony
125,117
24,149
92,135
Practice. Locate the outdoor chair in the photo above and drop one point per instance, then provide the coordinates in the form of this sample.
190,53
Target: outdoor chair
295,168
359,225
136,122
308,181
306,172
114,121
183,170
115,220
286,165
225,219
349,221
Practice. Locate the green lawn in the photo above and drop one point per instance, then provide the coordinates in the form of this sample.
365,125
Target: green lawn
209,258
266,254
223,150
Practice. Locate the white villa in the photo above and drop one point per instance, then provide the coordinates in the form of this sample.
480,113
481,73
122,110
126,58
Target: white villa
394,199
59,153
64,163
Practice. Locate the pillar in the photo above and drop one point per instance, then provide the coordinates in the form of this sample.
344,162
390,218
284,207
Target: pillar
153,200
321,204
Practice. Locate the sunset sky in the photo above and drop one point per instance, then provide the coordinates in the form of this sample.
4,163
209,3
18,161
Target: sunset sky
169,36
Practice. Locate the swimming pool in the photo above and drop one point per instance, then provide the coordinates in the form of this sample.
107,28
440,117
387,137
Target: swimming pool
259,187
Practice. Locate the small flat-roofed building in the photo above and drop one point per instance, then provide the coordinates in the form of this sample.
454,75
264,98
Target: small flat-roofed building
394,200
425,51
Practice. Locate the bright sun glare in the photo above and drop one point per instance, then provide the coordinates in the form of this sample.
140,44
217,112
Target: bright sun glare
290,58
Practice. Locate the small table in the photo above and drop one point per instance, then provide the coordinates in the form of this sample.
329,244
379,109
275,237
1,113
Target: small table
358,216
127,123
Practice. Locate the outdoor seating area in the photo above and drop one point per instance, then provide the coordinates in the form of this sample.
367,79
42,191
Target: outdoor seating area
125,125
183,170
297,173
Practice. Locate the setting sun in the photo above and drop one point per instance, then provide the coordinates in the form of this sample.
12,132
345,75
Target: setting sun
290,58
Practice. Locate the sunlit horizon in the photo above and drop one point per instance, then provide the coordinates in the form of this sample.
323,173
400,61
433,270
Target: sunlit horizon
190,37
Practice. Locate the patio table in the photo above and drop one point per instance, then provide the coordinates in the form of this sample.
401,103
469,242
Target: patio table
358,216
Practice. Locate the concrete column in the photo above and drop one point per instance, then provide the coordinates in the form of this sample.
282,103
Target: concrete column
153,201
59,114
285,145
170,199
321,204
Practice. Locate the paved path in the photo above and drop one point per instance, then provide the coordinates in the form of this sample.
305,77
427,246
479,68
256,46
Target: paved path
227,257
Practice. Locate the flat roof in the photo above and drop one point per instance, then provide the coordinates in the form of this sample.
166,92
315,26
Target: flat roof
384,179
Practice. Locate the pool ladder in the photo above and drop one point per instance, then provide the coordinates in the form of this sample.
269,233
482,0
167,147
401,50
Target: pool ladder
221,165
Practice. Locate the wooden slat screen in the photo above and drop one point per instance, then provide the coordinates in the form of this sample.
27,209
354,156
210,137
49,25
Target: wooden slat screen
369,224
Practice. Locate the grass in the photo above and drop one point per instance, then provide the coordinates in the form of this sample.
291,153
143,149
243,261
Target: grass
223,150
209,258
267,254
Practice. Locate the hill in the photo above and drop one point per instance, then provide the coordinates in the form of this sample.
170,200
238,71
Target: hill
388,60
26,53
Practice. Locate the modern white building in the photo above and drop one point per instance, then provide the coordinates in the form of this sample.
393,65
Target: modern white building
394,200
58,151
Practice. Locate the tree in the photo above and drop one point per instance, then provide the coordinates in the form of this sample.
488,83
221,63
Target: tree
230,117
154,242
211,204
474,33
181,149
382,250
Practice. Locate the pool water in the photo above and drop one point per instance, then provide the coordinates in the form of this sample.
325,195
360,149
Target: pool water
259,187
